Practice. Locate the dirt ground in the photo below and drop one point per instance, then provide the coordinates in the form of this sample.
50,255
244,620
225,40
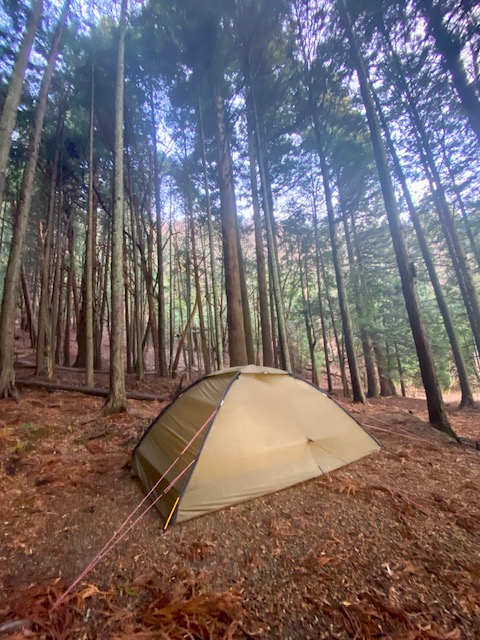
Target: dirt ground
387,547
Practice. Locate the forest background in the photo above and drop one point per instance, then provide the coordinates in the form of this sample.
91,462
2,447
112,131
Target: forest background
293,184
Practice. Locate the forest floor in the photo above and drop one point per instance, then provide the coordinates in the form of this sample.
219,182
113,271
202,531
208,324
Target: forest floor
387,547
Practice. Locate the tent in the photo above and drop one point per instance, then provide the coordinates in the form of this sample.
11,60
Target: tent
240,433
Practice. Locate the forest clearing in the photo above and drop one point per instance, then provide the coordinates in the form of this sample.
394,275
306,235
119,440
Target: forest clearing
192,189
386,547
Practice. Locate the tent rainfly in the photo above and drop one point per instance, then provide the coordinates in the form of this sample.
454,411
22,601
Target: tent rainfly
264,430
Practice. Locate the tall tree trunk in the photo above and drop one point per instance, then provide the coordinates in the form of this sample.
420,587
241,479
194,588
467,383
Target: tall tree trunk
450,47
274,269
68,293
90,241
211,240
326,349
360,295
14,91
358,395
43,313
57,285
137,300
387,387
12,276
247,318
400,371
266,333
341,360
436,407
198,289
307,315
162,363
455,249
28,308
467,395
117,398
236,329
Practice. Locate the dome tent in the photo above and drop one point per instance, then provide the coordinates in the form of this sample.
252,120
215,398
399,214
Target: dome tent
243,432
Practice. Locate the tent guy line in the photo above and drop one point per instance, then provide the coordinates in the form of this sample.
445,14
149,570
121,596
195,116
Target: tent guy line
123,530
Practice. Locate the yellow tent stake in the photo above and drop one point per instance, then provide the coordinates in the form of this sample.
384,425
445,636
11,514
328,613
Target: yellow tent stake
171,513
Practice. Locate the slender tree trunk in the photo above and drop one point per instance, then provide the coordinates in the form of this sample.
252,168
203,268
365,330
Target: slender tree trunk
436,407
235,318
360,295
274,270
137,300
43,314
400,371
326,349
14,91
12,276
117,396
68,294
211,240
198,290
307,314
358,395
90,240
103,297
57,286
162,371
341,360
28,308
171,294
267,351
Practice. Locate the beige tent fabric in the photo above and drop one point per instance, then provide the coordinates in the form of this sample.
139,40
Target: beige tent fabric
169,434
271,431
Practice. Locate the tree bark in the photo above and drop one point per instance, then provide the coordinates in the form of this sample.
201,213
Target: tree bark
162,363
235,321
211,241
274,269
117,399
360,295
43,314
198,290
90,241
266,333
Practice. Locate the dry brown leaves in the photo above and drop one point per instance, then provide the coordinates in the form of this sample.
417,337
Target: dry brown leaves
371,616
167,609
386,548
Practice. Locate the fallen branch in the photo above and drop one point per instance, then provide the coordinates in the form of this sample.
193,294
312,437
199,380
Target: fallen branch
91,391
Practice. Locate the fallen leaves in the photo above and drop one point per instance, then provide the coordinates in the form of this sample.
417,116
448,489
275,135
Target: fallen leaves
385,548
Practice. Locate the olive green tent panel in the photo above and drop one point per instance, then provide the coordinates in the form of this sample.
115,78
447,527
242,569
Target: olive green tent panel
271,430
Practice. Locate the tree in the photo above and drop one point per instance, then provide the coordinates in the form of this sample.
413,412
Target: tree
12,276
436,407
117,395
450,47
12,100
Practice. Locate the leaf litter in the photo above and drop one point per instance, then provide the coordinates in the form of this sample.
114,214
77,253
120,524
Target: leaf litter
384,548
